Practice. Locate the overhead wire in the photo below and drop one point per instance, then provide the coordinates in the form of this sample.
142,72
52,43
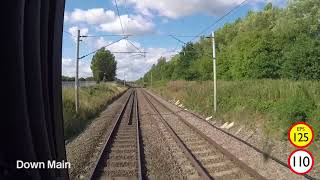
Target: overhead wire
134,45
83,42
115,1
125,36
219,19
69,34
178,39
208,27
102,47
141,35
126,9
118,12
106,35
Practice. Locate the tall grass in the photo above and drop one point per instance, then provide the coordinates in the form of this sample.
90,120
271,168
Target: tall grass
93,100
271,104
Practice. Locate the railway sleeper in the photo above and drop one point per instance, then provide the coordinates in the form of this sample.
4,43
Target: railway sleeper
199,148
120,171
121,163
122,145
233,173
125,140
210,159
123,151
127,156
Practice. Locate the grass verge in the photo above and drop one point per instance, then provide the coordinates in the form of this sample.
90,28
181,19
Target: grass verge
270,105
93,100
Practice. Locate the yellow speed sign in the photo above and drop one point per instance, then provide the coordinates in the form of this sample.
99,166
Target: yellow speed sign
300,135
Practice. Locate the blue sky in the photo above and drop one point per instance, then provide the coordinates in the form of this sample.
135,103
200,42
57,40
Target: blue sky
149,22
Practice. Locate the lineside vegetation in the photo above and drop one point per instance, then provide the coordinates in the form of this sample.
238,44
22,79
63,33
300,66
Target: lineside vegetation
267,62
274,43
268,107
273,103
93,100
268,70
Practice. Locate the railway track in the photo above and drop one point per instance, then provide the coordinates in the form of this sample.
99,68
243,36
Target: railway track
120,157
209,159
263,153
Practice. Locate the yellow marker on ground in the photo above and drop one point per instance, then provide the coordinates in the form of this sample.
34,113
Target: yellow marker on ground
300,135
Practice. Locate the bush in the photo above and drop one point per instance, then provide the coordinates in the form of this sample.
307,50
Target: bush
299,107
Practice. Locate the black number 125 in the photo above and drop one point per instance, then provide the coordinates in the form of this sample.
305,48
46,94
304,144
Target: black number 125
302,137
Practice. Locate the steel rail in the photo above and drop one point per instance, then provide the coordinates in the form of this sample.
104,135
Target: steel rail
239,139
94,174
243,165
197,165
137,117
131,108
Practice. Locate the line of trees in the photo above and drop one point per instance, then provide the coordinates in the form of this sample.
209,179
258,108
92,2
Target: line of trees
67,78
273,43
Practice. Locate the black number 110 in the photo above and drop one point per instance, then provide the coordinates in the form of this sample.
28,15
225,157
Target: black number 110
305,161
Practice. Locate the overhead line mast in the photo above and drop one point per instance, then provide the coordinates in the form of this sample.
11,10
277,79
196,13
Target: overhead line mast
77,73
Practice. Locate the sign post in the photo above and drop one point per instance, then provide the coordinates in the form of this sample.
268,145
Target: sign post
214,74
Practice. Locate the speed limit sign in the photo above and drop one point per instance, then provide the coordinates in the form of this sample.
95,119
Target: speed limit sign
300,161
300,135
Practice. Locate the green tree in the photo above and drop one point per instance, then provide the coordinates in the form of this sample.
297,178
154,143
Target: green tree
188,54
103,65
273,43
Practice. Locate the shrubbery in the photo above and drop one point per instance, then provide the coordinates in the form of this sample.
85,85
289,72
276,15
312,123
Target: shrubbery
274,43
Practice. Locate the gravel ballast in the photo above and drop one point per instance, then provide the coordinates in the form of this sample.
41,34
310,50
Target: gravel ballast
163,158
267,168
82,151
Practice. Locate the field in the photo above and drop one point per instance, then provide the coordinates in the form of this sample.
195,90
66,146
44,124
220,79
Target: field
271,105
93,100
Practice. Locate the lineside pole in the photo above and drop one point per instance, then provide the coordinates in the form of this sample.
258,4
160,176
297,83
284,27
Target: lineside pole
77,74
214,74
124,79
151,79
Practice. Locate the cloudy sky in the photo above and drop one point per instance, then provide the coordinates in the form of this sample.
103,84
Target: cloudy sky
150,22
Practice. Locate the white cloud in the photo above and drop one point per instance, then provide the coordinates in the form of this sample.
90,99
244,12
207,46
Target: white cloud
68,68
178,8
73,30
108,21
90,16
131,25
134,66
